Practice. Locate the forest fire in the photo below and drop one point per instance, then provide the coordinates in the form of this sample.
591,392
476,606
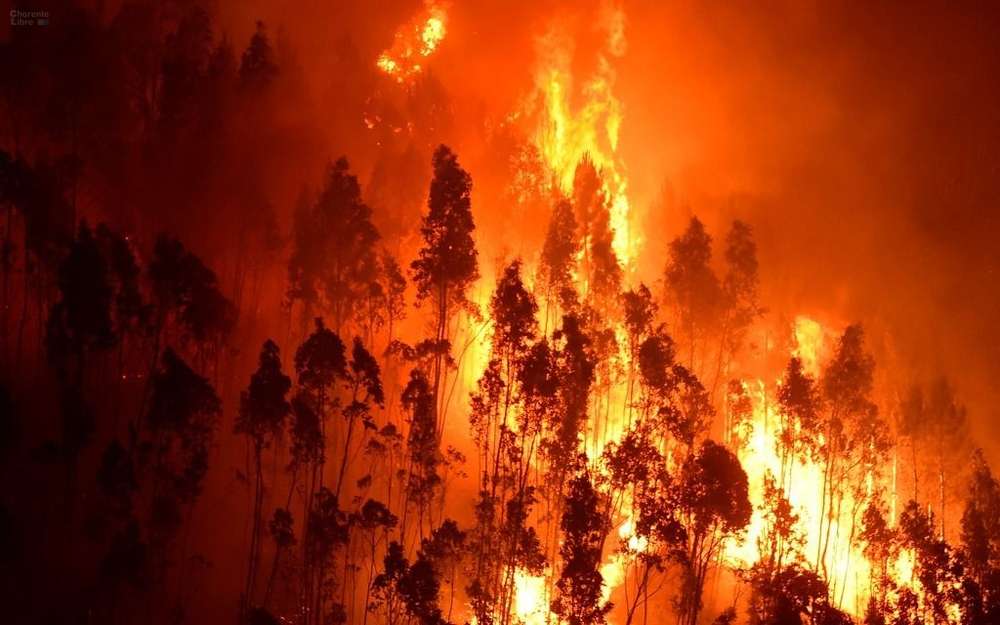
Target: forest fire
800,480
413,43
436,313
567,134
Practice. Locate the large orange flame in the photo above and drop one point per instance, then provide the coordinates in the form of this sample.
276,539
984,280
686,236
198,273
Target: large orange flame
566,133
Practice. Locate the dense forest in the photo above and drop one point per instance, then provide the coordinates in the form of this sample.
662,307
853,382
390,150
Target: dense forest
243,379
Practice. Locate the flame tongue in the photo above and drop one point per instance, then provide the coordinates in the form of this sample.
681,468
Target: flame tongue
566,134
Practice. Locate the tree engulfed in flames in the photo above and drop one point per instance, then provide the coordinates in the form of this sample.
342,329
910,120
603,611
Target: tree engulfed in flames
847,566
566,133
414,42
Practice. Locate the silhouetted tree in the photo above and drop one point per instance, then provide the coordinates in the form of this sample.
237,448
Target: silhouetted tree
671,395
423,448
739,417
799,403
714,507
447,264
854,437
320,362
935,567
792,595
80,322
639,314
574,368
506,440
334,247
263,410
181,420
692,285
394,291
741,305
377,521
410,590
637,473
385,586
444,550
980,532
579,600
881,548
948,430
601,267
281,527
82,319
364,383
257,67
559,257
187,295
327,531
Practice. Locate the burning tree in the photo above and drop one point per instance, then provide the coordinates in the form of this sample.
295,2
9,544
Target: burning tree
854,438
580,585
694,289
600,266
508,421
559,260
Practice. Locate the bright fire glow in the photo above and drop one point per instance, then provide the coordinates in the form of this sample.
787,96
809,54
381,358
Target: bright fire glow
413,43
583,119
531,600
845,564
809,336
